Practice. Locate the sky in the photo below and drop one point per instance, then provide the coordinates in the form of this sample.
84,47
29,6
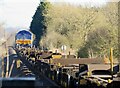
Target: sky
19,13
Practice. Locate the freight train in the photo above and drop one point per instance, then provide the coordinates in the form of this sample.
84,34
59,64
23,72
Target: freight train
67,71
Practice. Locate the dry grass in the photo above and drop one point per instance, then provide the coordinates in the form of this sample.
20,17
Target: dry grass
2,51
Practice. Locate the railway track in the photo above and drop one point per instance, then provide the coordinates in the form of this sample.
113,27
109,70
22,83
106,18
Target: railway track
39,76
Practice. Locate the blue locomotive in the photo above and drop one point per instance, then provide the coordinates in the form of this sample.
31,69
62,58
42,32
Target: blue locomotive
24,38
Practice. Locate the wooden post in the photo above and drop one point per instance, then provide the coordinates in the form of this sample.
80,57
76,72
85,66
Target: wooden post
2,66
111,60
11,68
7,66
7,55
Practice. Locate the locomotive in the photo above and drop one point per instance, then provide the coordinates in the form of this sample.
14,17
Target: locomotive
24,38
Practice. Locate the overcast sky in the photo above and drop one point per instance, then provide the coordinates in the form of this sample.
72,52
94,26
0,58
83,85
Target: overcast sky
18,13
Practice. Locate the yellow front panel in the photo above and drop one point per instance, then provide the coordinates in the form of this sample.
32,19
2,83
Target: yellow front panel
23,42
